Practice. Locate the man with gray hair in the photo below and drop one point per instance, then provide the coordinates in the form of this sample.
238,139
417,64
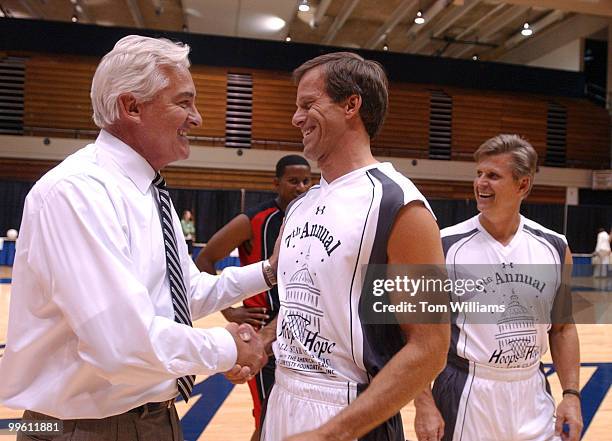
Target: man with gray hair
493,387
100,335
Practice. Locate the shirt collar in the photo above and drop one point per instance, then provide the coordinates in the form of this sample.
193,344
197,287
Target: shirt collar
134,166
357,172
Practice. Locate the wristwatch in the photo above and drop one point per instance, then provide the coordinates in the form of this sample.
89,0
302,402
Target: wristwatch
269,273
571,392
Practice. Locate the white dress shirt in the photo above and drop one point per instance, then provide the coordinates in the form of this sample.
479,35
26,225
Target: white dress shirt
91,324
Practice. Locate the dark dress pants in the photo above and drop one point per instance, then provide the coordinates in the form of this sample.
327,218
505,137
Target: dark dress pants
141,424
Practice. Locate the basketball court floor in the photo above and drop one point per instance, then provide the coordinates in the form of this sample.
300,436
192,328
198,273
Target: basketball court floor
219,411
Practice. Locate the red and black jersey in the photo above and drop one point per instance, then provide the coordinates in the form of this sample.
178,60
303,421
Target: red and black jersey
266,221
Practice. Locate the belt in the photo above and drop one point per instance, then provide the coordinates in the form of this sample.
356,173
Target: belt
152,407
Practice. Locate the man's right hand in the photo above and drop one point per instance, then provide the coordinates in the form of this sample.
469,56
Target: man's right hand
428,422
251,354
255,316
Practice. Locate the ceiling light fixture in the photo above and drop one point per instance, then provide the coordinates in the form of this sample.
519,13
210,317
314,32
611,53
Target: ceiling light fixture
419,19
475,57
273,23
527,30
303,6
74,17
288,38
385,47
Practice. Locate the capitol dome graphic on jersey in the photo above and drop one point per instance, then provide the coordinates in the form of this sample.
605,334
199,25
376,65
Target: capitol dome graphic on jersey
517,329
303,300
302,276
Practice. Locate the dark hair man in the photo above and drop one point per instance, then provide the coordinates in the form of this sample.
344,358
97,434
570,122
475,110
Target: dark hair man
338,377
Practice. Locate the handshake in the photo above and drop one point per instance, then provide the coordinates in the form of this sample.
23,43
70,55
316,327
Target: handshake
251,353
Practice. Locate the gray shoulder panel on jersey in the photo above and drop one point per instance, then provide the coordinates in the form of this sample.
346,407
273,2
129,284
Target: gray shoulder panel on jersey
381,342
391,202
449,241
557,243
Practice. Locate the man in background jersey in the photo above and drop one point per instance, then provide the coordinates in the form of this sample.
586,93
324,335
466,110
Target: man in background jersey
254,233
339,377
493,387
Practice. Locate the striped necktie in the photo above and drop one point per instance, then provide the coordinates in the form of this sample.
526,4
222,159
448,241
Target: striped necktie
175,275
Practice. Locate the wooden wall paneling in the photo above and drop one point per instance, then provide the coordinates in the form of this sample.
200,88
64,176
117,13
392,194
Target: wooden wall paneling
179,177
208,178
477,116
25,170
57,98
273,107
211,100
526,115
223,179
57,92
542,194
405,132
546,194
588,134
444,189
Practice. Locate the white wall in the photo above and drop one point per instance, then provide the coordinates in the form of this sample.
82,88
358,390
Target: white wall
568,57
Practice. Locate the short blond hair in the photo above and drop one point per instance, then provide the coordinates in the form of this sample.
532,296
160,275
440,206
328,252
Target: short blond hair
524,157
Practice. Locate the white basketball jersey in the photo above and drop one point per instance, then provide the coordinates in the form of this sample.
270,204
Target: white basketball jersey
523,277
330,234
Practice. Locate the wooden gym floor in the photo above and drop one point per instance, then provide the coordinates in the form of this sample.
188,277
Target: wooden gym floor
220,412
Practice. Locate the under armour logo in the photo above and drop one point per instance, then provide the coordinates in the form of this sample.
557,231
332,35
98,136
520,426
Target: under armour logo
510,265
320,210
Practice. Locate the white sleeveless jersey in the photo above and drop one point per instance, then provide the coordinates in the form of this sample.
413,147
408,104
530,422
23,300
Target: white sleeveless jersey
523,277
330,234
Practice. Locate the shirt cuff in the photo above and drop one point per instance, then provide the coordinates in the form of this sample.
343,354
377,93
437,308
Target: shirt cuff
227,353
252,280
